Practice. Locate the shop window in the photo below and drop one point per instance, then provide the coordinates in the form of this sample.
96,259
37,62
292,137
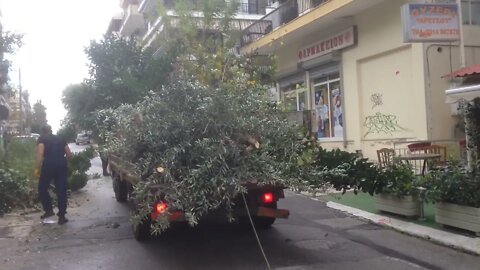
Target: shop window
328,106
295,98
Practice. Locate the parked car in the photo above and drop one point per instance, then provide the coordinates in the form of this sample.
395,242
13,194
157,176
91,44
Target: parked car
82,139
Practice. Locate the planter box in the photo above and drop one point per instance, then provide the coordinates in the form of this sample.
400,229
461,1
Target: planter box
463,217
408,206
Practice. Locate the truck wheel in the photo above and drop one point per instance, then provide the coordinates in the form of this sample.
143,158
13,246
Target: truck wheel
141,231
120,188
263,223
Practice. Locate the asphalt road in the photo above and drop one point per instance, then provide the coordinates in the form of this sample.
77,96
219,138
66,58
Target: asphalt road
99,236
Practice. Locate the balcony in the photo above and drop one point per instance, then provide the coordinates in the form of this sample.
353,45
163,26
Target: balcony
296,19
132,21
284,14
256,7
147,6
115,24
125,3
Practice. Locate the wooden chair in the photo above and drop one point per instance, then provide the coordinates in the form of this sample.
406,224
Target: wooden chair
385,157
415,147
441,150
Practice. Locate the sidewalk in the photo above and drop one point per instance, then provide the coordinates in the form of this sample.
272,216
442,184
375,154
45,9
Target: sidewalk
470,244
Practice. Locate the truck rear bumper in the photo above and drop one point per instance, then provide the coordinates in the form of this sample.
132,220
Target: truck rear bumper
178,216
271,212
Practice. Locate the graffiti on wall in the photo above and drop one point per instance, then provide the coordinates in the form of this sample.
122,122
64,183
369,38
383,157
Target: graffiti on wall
381,122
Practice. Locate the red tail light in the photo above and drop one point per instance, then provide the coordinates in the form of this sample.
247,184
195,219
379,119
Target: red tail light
267,197
160,207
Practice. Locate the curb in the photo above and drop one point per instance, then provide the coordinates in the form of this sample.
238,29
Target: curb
460,242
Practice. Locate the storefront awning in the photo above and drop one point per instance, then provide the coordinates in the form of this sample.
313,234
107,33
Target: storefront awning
471,70
466,92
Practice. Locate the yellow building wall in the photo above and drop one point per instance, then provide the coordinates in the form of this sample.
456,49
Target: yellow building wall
392,91
442,59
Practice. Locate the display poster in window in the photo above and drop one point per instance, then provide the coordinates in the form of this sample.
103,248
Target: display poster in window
337,113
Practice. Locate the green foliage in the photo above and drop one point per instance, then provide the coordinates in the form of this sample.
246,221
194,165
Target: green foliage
398,180
454,184
200,135
77,181
345,171
78,166
15,190
9,42
472,113
39,117
210,126
67,131
17,184
80,100
342,170
21,155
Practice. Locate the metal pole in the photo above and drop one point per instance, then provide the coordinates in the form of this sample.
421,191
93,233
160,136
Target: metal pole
20,100
462,65
462,41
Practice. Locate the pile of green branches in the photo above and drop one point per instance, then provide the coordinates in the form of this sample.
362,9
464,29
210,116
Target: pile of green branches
198,145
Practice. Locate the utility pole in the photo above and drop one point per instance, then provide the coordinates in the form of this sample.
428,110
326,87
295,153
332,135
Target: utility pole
20,100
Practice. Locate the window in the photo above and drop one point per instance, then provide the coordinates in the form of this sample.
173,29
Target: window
295,98
328,106
471,12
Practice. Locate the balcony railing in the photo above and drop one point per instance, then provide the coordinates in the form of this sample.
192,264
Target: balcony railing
252,8
284,14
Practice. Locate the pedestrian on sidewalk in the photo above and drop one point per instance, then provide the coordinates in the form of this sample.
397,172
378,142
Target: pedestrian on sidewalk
51,164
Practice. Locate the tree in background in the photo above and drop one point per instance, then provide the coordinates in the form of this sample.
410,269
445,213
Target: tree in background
39,117
67,130
121,72
80,101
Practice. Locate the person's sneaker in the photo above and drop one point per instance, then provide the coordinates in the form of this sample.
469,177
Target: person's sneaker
47,214
62,220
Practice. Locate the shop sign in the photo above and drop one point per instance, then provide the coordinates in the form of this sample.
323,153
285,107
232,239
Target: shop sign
430,22
325,46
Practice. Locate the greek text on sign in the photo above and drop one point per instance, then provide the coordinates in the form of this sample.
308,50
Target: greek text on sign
336,42
430,22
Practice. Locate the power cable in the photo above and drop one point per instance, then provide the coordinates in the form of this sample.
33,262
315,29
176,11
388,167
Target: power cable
256,234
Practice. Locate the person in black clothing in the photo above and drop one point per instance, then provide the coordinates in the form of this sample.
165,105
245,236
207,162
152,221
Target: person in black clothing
51,164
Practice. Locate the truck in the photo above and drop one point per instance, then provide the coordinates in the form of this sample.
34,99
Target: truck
260,199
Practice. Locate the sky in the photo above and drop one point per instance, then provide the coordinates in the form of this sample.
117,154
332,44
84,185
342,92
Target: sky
55,35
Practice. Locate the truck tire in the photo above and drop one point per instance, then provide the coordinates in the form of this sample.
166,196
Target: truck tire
263,223
120,188
141,231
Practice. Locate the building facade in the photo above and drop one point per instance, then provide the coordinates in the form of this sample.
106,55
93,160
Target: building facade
145,19
345,71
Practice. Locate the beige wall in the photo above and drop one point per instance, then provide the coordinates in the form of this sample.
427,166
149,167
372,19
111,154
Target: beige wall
382,65
441,59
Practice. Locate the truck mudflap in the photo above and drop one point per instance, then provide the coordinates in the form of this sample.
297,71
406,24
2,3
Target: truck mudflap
272,212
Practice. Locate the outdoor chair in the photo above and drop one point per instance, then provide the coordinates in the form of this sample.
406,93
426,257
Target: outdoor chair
415,147
441,150
386,157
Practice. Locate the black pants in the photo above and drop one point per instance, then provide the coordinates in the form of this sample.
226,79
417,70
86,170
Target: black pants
57,174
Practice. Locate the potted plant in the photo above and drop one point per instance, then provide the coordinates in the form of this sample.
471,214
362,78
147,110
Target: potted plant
456,193
396,191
